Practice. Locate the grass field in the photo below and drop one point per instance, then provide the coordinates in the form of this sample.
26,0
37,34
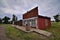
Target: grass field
15,34
55,29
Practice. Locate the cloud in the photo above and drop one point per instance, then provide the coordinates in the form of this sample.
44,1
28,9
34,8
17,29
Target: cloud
25,3
15,10
13,6
46,7
4,2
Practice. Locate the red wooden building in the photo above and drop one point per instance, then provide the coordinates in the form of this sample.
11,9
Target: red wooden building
18,23
32,19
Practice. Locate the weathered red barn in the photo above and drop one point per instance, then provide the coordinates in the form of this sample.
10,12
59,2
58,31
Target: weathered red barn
32,19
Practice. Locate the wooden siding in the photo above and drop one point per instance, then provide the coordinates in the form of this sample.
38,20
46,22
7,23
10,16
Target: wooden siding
31,13
18,23
42,23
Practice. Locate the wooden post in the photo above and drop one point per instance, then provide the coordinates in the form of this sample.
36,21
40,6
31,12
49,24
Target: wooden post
13,22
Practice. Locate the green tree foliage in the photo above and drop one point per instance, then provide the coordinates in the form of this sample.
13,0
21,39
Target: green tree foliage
6,20
0,20
56,18
14,19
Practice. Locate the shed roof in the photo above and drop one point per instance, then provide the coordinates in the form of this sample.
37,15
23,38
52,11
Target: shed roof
43,16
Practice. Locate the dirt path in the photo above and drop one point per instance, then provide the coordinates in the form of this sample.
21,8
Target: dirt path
2,33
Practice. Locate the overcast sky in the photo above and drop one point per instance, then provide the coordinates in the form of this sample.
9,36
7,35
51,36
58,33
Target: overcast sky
18,7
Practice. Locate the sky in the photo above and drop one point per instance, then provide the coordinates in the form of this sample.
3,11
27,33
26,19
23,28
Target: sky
19,7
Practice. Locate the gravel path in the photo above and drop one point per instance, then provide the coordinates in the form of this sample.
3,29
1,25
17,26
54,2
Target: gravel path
2,33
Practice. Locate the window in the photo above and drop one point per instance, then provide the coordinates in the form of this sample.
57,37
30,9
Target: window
25,22
34,23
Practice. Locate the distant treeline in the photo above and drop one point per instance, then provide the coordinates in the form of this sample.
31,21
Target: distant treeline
6,20
57,18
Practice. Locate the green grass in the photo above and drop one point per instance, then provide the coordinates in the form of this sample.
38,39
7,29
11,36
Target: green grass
55,29
16,34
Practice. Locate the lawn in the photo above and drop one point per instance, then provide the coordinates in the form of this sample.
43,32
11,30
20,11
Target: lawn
55,29
16,34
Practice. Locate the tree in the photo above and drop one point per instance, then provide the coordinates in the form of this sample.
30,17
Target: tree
6,20
56,18
14,19
0,20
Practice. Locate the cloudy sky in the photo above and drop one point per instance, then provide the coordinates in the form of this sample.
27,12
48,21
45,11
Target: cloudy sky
18,7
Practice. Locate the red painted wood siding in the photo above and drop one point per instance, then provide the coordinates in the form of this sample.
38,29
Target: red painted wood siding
18,23
31,13
42,24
